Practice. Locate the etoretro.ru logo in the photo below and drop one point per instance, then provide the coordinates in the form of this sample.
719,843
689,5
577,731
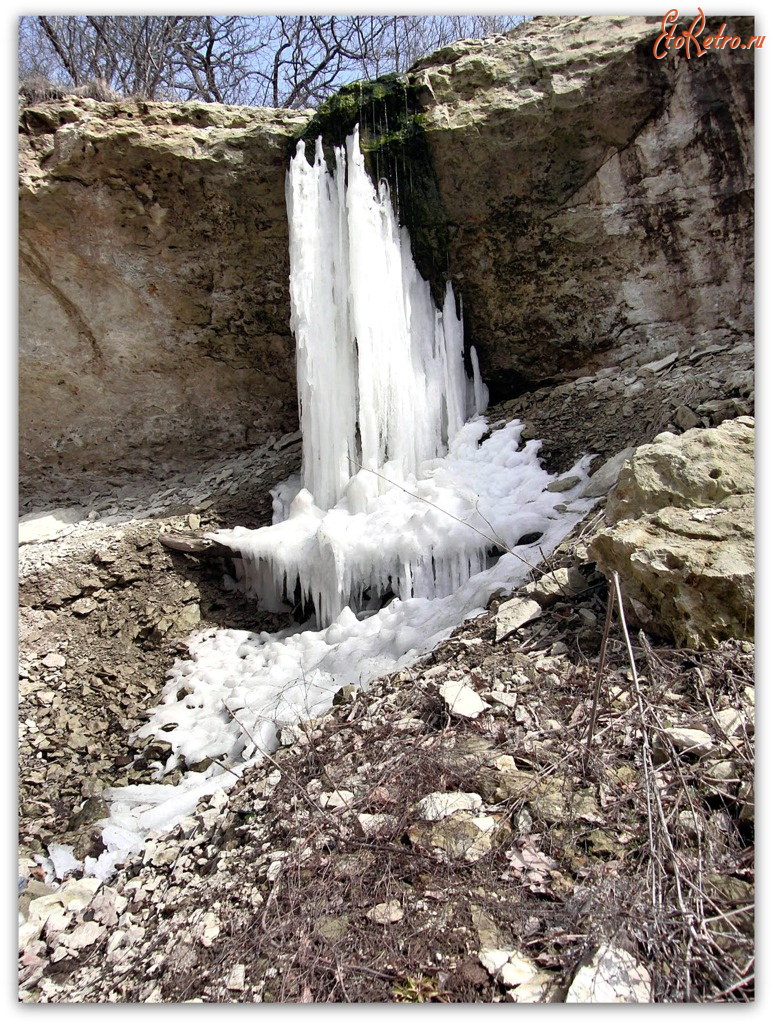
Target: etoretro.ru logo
691,37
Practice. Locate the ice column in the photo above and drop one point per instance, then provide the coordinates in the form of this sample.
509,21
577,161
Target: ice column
381,375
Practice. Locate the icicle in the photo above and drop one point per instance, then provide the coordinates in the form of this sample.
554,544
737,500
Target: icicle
380,370
479,389
382,393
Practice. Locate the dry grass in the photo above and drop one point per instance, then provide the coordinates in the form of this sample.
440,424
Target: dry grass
611,835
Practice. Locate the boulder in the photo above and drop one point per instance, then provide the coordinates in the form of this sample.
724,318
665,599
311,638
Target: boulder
682,535
577,174
697,469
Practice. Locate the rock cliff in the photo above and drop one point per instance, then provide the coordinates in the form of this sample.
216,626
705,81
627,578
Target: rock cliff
599,201
595,205
154,308
595,214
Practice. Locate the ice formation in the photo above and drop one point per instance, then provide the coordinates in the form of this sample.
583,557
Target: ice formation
382,393
380,369
396,531
238,689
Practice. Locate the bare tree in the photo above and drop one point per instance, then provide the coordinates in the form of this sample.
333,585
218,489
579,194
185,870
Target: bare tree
281,60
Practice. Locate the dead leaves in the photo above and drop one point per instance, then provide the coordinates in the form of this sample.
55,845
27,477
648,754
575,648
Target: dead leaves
537,871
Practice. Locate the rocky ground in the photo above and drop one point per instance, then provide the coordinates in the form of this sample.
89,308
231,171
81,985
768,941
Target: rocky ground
450,835
103,608
620,407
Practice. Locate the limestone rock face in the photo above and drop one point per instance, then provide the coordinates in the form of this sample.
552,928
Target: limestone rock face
154,301
599,200
682,538
694,470
596,204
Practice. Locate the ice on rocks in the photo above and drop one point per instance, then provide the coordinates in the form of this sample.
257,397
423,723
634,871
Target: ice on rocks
36,528
63,859
404,521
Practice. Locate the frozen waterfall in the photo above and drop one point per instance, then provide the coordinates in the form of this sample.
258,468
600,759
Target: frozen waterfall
383,394
381,374
440,496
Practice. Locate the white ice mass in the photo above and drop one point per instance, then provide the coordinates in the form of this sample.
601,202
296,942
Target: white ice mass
396,530
381,375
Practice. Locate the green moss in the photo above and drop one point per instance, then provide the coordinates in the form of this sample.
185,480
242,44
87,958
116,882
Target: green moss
395,148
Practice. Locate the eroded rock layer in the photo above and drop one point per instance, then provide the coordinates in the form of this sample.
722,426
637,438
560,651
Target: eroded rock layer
599,200
154,308
682,535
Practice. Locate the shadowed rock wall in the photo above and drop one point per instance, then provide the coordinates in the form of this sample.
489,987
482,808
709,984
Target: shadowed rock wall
154,305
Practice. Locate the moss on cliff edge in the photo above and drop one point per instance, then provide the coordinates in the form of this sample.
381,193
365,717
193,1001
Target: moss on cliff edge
395,148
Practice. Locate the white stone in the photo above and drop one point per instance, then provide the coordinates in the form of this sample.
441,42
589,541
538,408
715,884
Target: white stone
38,527
338,798
29,932
374,824
274,871
515,613
209,929
116,940
74,895
56,923
518,970
54,660
690,741
558,583
506,698
435,806
235,979
85,934
536,990
481,846
462,700
386,913
730,720
606,475
508,964
612,976
494,959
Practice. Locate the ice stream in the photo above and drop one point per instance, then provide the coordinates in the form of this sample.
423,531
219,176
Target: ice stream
395,532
